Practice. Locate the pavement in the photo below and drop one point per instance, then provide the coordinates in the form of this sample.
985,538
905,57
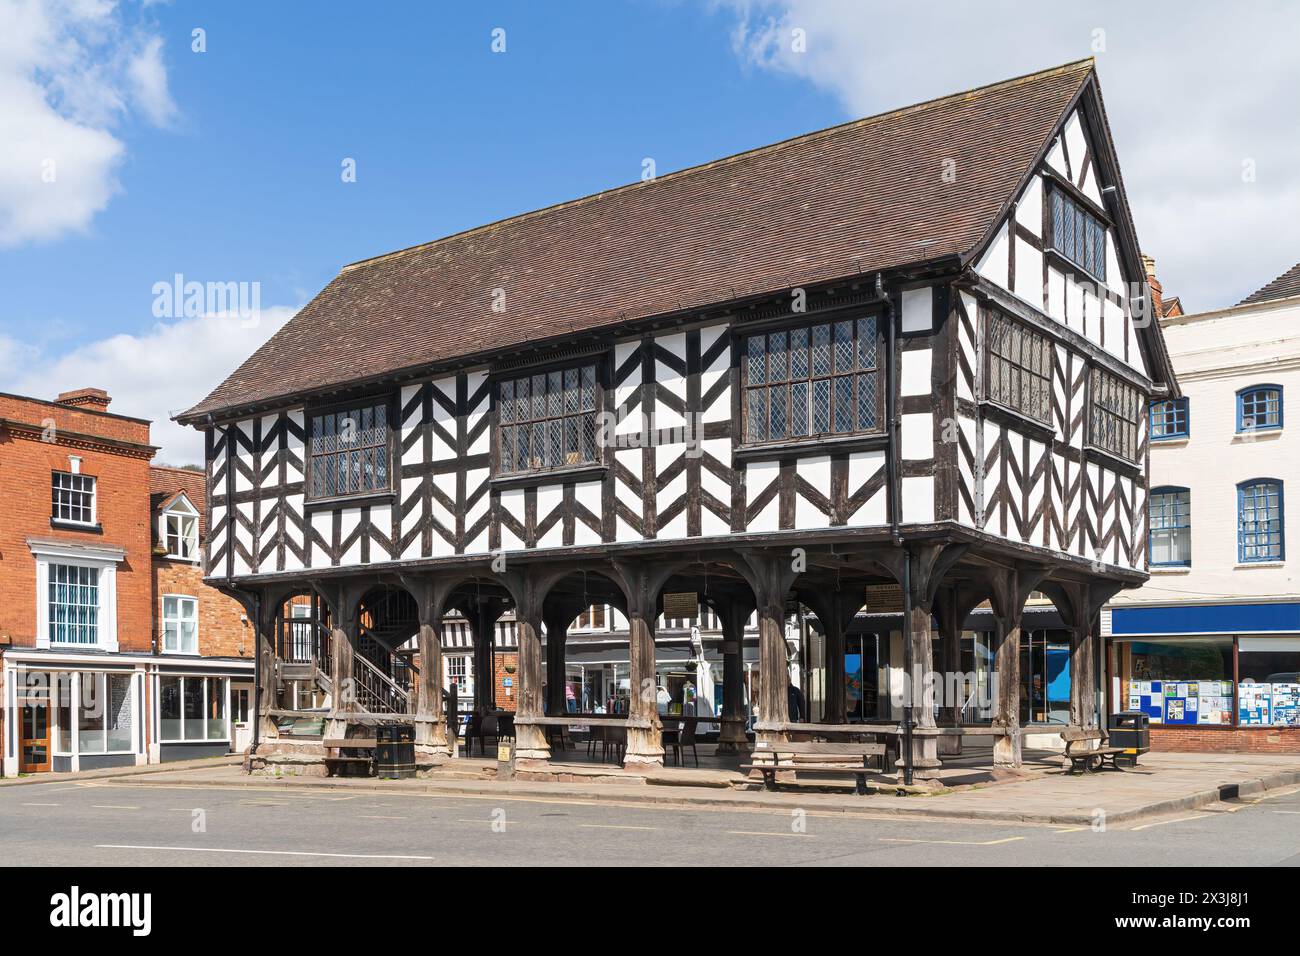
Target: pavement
1163,784
187,818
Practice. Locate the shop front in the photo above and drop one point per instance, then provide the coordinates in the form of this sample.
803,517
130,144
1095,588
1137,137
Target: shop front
1220,677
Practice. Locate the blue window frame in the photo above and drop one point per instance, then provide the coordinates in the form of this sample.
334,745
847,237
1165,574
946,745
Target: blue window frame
1260,520
1169,419
1259,408
1170,543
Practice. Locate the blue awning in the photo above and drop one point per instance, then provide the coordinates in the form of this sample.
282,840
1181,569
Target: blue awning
1276,618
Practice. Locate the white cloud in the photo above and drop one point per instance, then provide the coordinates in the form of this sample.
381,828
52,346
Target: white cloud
153,375
1193,90
71,71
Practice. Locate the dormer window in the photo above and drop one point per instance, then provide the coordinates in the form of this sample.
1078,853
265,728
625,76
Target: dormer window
180,530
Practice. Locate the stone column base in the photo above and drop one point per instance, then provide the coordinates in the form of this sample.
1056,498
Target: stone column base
645,749
731,737
530,743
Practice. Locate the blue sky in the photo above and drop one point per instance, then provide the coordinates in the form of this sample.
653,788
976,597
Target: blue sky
225,165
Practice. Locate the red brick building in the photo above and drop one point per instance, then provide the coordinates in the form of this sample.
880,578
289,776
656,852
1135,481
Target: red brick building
86,678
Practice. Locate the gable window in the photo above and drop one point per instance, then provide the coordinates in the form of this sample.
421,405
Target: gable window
348,451
1077,234
814,381
181,531
1169,419
1116,408
1259,520
1018,370
73,594
1171,527
180,624
72,498
1259,408
547,419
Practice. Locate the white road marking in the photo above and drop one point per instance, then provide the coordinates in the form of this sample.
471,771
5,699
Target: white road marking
766,833
952,842
111,806
375,816
1273,811
214,849
613,826
1160,823
40,804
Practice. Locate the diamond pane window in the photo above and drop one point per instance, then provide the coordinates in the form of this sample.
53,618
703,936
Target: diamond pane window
1018,367
812,381
551,422
1115,408
1077,234
348,451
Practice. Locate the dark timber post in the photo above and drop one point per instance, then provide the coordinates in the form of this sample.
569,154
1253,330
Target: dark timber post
1009,589
529,588
430,720
482,613
770,575
835,612
641,583
557,614
1079,605
734,611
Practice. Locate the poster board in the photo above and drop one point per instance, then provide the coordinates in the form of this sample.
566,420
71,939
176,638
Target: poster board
1254,705
1148,697
1286,705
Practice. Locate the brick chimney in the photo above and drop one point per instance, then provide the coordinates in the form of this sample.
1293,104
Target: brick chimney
94,398
1157,296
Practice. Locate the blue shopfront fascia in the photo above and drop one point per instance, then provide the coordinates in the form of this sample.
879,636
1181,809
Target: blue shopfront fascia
1280,618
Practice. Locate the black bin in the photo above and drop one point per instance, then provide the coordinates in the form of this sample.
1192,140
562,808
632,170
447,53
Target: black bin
395,751
1130,729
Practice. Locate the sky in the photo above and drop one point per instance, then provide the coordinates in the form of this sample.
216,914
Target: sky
259,147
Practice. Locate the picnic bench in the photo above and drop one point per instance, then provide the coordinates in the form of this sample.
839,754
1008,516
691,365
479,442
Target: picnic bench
1083,760
808,757
339,761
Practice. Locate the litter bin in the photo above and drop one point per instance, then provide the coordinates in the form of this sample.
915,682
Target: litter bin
1130,729
395,751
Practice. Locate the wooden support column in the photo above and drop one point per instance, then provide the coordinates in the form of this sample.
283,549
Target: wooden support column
529,588
482,613
734,612
431,595
921,685
267,667
1009,589
835,610
557,614
770,576
641,583
1079,604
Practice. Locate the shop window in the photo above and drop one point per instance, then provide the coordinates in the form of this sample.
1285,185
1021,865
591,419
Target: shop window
193,709
1270,681
1184,681
105,714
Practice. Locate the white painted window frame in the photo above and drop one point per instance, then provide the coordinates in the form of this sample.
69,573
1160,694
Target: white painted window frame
105,561
165,618
181,510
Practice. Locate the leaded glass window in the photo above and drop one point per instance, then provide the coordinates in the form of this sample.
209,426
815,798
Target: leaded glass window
1018,370
1116,407
349,452
547,419
813,381
1077,234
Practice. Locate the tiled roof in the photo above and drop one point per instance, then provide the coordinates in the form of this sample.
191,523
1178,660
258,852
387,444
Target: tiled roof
166,483
1283,287
856,198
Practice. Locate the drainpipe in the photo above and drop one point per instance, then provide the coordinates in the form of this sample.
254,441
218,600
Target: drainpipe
895,512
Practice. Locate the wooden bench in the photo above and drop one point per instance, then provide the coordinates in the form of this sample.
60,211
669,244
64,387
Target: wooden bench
337,762
1083,760
809,758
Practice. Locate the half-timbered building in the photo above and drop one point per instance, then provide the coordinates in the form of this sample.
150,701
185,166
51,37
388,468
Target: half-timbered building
910,352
